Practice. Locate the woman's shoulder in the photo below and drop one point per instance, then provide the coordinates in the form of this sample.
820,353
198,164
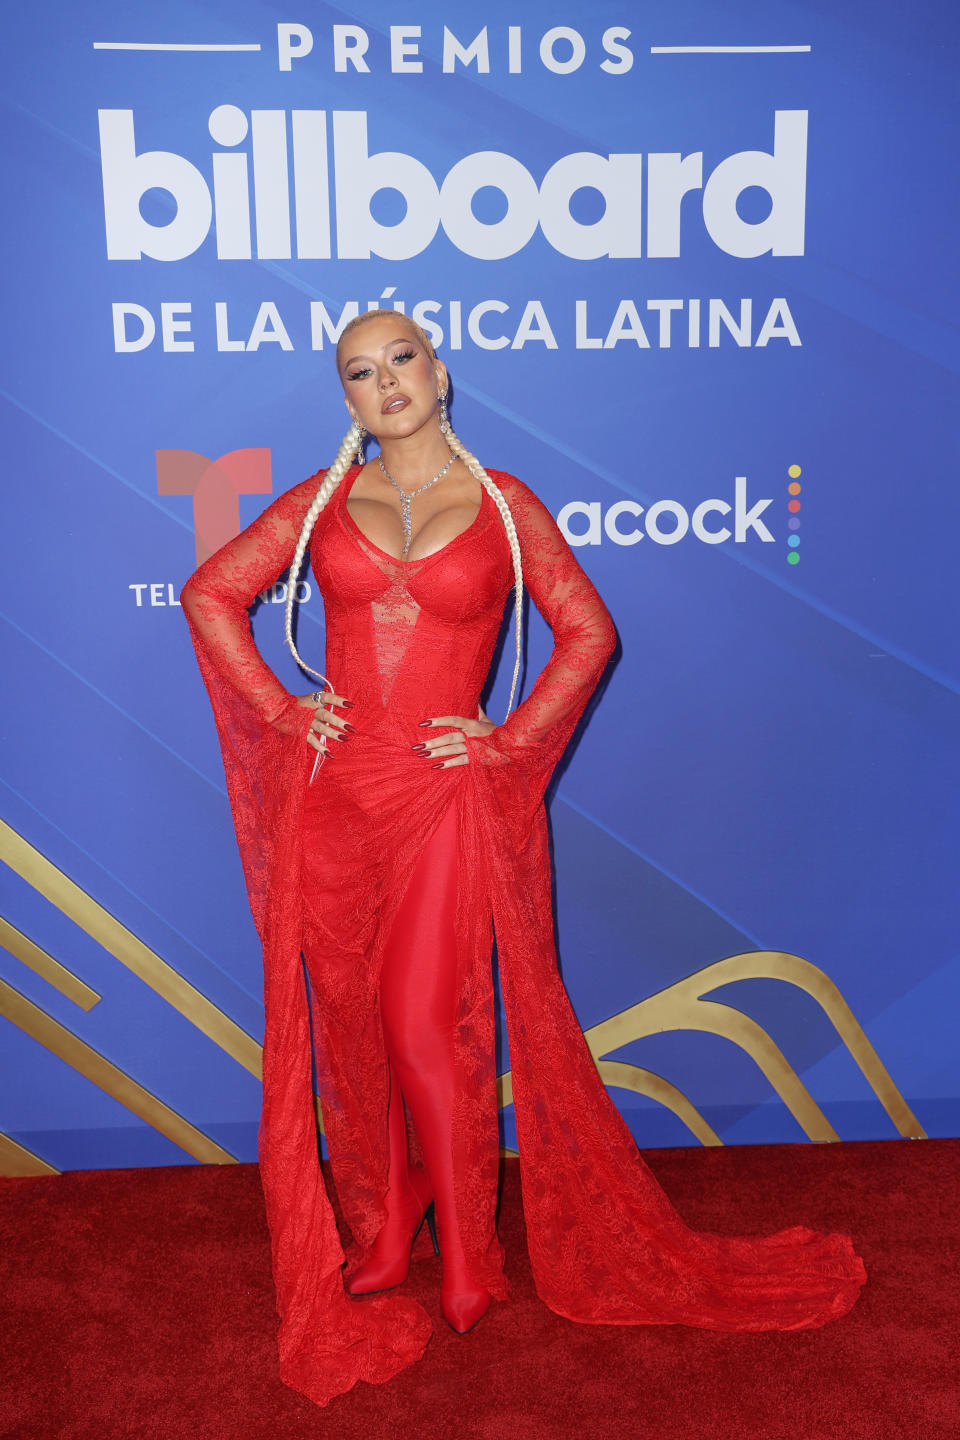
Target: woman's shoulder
511,485
517,493
503,479
298,498
311,485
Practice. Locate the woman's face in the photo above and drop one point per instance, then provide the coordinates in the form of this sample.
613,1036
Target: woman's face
390,381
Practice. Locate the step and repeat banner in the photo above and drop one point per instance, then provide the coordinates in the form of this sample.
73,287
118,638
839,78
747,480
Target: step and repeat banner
692,269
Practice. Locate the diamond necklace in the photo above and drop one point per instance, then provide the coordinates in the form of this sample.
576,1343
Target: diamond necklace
407,495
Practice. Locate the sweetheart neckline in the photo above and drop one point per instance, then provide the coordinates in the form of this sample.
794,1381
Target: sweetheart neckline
347,486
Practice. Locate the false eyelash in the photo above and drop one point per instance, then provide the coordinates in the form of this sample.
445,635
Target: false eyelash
401,355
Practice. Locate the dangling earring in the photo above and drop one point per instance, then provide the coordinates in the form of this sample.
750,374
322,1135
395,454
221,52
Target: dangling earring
361,436
444,420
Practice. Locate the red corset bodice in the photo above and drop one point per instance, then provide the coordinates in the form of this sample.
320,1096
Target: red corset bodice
408,639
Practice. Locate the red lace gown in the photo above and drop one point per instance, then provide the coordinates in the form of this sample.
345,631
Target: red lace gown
325,866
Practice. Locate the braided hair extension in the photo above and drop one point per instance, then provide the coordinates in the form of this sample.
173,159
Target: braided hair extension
329,483
498,498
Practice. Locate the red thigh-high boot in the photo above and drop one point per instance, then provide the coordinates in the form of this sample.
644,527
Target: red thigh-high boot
409,1203
418,1008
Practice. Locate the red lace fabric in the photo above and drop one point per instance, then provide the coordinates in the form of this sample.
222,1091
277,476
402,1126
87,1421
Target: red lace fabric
326,865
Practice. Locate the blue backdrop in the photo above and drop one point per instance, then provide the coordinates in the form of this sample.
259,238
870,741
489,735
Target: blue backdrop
673,254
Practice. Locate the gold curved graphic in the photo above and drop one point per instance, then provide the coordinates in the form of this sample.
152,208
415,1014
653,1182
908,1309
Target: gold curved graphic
646,1082
680,1006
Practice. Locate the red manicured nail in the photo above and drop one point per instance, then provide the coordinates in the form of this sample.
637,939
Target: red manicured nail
424,722
439,765
347,703
348,726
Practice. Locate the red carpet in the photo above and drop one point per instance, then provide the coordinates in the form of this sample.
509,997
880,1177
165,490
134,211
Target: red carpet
139,1303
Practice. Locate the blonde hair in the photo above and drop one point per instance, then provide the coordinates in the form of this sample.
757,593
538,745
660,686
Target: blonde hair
349,447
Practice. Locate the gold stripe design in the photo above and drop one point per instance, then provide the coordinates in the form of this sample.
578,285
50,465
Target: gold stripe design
17,1160
123,945
82,1057
46,967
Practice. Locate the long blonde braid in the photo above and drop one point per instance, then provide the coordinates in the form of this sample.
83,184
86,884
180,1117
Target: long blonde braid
496,495
349,447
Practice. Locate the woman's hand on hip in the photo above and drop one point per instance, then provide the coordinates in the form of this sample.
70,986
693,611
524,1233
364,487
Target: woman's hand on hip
447,750
326,724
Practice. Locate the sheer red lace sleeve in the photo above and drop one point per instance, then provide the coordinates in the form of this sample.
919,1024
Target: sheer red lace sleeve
536,733
217,599
261,728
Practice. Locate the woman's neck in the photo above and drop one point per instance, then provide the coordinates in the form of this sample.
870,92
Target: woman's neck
415,458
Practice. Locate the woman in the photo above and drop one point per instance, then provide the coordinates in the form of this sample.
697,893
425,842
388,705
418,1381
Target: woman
386,847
